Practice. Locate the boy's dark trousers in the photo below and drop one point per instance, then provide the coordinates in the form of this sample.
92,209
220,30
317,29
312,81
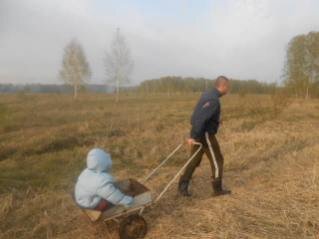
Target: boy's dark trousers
212,150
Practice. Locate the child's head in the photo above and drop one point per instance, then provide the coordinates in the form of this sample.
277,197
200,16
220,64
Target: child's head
98,160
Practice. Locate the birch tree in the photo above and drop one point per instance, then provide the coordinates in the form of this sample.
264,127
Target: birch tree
296,79
118,63
311,59
302,64
75,68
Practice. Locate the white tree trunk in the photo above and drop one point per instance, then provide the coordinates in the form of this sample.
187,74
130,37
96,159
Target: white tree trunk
307,92
75,93
117,89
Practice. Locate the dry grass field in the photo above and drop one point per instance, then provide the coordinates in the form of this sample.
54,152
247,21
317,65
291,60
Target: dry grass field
270,144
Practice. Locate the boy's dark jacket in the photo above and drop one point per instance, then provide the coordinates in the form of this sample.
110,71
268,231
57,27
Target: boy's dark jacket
206,115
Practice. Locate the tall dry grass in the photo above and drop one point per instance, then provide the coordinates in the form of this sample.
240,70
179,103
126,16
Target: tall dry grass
270,144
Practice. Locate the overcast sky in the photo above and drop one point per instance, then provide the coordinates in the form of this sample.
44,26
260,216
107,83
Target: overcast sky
239,38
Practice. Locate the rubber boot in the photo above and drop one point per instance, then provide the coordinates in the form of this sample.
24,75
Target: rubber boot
218,189
183,188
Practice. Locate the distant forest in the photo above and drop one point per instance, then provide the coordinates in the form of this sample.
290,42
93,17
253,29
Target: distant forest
168,84
171,84
51,88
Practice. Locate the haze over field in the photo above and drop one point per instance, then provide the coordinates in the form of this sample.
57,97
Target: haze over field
147,81
239,38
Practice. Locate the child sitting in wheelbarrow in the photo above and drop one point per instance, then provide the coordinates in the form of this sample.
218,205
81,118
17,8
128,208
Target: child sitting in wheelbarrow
95,188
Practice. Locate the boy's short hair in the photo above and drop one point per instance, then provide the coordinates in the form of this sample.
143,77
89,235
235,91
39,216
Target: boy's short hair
220,80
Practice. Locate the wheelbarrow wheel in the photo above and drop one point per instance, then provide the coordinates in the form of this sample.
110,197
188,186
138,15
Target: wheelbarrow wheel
133,227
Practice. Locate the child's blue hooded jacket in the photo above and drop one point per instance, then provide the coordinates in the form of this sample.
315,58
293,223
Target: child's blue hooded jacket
95,182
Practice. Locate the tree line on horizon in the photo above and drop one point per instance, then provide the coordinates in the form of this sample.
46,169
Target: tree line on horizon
168,85
301,73
173,84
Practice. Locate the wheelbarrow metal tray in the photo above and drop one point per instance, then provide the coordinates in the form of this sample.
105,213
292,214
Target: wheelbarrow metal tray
142,198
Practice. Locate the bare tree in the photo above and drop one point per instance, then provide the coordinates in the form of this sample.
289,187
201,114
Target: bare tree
302,64
296,79
118,63
75,68
311,59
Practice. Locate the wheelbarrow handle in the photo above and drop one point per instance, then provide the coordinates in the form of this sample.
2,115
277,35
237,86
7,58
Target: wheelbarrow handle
180,171
162,163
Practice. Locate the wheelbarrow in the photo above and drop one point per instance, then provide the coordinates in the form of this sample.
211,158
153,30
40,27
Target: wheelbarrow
132,225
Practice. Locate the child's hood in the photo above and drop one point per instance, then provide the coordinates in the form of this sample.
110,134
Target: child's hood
98,160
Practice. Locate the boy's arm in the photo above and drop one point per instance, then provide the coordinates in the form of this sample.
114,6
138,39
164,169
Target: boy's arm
109,192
